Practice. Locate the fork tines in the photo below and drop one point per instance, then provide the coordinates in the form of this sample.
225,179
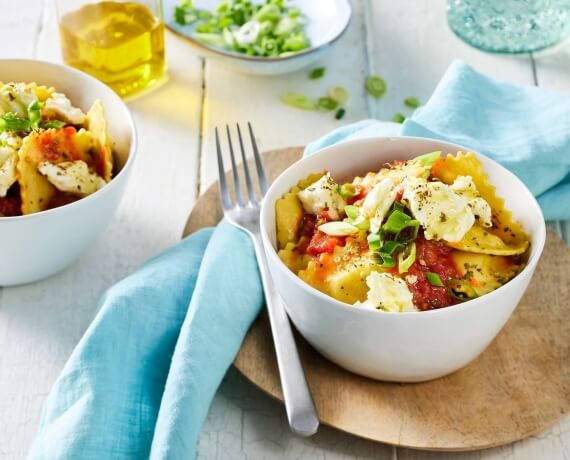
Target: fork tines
238,186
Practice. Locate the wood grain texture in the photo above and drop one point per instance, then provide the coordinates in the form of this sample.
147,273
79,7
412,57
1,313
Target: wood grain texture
518,387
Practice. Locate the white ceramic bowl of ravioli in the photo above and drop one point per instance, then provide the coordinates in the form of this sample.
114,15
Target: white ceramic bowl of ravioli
38,245
327,20
402,347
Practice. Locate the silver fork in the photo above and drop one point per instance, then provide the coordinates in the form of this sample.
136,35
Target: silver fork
244,214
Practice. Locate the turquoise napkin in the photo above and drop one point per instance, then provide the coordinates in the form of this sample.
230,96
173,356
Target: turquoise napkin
141,380
526,129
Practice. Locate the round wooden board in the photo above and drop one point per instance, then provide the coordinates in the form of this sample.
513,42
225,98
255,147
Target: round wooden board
518,387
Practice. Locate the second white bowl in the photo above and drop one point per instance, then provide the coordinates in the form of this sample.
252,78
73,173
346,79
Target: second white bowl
38,245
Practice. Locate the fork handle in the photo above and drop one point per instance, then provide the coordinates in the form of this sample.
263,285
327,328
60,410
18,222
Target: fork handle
299,404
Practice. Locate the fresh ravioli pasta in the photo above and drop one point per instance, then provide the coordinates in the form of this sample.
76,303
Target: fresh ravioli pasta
51,153
416,235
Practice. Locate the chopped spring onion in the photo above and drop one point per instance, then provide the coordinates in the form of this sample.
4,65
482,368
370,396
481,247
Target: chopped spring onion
387,260
398,221
374,242
412,102
338,228
398,118
390,247
339,94
434,279
340,114
327,103
352,212
299,101
34,114
269,29
461,290
376,86
12,122
349,190
427,160
53,124
410,233
317,73
361,222
406,261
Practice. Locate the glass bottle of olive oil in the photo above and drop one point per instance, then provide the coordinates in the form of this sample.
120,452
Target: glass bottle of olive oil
120,43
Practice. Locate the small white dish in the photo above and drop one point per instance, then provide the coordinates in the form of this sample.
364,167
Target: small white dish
410,346
327,20
36,246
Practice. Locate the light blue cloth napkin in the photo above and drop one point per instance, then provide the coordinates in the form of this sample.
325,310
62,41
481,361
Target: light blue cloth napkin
526,129
141,379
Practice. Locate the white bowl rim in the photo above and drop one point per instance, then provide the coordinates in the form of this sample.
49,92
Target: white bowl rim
245,57
530,265
124,169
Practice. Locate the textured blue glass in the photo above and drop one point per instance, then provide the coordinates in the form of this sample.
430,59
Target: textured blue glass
510,26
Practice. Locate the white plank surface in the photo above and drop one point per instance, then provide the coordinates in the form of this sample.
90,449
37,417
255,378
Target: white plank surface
41,323
406,42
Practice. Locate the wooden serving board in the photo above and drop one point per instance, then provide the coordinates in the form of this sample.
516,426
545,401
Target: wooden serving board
518,387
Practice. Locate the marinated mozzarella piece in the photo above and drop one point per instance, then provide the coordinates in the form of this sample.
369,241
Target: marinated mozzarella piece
16,97
59,106
388,293
322,195
72,177
443,213
378,202
465,186
9,145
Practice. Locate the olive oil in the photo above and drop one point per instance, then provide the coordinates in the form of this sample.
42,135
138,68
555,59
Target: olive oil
121,44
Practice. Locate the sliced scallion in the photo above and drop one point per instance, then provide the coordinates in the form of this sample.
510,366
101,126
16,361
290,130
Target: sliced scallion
434,279
327,103
412,102
376,86
299,101
340,113
349,190
374,242
337,228
407,258
398,118
53,124
317,73
397,221
352,212
387,261
461,290
339,94
390,247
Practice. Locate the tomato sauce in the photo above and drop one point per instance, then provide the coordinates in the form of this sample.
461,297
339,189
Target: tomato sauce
11,204
314,242
431,256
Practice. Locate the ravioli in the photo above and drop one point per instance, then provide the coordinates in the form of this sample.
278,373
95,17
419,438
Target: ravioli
54,146
51,152
388,234
97,125
343,274
504,226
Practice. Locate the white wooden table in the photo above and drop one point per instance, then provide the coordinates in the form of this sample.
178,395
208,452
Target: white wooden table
407,42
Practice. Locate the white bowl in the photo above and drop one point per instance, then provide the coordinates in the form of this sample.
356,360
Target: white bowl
38,245
327,20
404,347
